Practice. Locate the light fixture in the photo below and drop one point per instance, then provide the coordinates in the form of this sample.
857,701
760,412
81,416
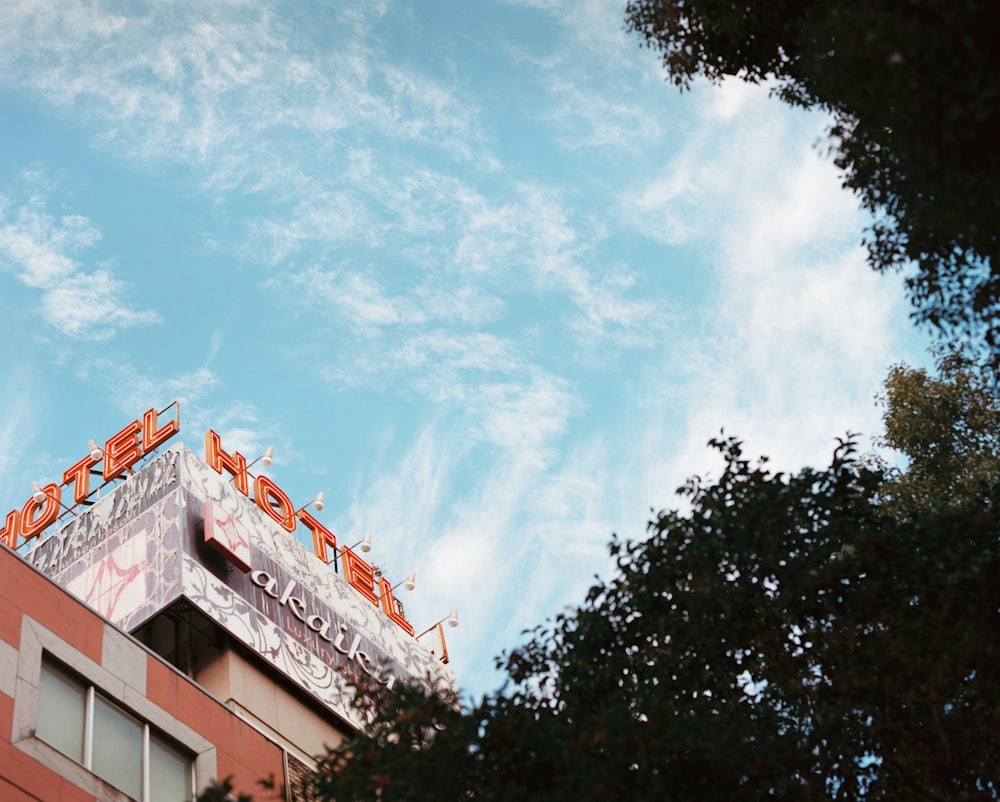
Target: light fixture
365,543
265,459
408,584
451,619
39,496
316,503
96,452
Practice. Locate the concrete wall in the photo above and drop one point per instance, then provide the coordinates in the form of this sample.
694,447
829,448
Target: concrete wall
285,715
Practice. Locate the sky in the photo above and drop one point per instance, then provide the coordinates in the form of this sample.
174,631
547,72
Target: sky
474,269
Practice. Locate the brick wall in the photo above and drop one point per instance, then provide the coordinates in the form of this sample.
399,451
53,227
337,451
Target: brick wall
37,616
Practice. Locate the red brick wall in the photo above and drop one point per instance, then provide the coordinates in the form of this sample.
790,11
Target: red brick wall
242,752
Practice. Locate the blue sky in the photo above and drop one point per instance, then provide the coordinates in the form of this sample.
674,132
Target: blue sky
474,269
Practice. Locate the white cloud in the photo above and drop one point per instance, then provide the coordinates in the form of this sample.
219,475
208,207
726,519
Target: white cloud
402,504
229,89
135,389
468,542
801,330
525,418
536,240
250,104
88,306
239,423
36,247
326,217
787,352
585,116
356,300
440,365
544,5
730,100
442,357
669,207
423,109
463,304
595,27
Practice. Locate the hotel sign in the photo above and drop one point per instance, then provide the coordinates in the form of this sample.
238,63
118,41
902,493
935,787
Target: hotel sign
276,504
141,438
187,527
120,453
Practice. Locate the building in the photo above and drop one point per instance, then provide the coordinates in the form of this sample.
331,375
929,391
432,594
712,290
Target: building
174,631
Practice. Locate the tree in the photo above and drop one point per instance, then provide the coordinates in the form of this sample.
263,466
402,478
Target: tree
912,90
789,637
948,427
222,791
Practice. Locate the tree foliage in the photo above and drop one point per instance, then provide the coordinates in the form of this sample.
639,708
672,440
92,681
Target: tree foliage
222,791
788,637
948,427
911,86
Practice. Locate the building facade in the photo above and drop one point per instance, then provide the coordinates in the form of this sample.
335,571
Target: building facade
174,631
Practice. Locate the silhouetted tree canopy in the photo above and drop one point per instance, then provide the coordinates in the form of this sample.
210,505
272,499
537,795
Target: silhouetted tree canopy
948,427
804,636
912,88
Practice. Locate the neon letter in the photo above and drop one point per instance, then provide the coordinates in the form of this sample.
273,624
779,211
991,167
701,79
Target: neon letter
322,537
11,529
31,525
151,438
121,452
360,574
235,463
389,606
79,477
264,490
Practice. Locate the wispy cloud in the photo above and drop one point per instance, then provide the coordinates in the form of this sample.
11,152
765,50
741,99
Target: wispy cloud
39,249
230,91
425,110
802,330
18,421
250,104
471,543
239,422
138,389
588,117
89,305
356,300
36,246
323,216
539,239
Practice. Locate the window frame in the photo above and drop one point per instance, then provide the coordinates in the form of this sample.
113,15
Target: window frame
109,679
90,695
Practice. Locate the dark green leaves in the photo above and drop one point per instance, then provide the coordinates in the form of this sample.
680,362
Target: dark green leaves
830,634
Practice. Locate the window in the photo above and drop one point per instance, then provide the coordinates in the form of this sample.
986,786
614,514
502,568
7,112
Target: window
122,750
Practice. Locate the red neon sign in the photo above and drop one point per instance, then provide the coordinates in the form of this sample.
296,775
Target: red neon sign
274,502
121,451
139,438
